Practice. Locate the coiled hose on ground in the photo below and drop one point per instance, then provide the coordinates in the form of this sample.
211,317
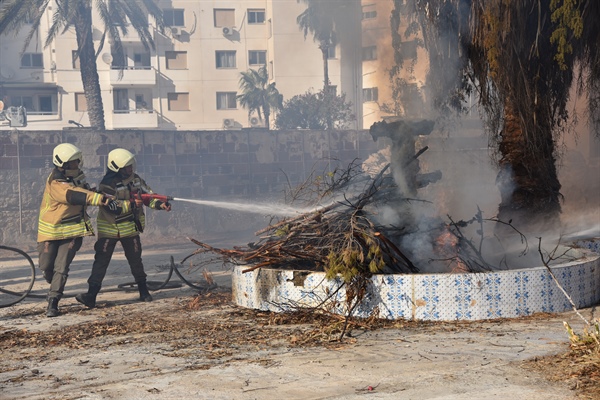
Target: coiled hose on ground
152,285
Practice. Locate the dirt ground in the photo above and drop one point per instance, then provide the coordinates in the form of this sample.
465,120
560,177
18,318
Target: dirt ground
188,345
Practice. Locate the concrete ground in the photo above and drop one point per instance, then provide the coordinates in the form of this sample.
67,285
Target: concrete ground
178,352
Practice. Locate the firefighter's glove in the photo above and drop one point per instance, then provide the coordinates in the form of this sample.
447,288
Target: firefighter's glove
112,206
166,206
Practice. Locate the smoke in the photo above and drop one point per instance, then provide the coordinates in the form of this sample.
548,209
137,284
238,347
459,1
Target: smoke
469,178
468,189
578,174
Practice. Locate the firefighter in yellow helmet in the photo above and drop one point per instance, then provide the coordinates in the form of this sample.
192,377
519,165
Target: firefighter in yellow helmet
122,183
63,221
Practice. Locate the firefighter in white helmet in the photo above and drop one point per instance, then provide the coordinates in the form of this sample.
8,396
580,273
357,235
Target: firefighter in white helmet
63,221
122,183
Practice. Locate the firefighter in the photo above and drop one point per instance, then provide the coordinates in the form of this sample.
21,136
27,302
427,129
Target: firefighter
63,220
122,183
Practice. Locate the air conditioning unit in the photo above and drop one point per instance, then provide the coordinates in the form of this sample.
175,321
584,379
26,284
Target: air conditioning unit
228,123
17,116
175,31
256,122
227,31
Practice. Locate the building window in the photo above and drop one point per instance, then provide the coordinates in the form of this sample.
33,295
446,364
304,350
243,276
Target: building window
141,60
75,59
331,53
257,57
36,101
121,100
409,50
178,101
224,17
176,59
173,17
369,12
25,101
256,16
225,59
226,100
80,102
140,102
32,60
370,94
45,104
369,53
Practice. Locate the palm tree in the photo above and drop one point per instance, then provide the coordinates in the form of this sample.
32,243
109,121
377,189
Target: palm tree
522,59
258,94
116,17
318,19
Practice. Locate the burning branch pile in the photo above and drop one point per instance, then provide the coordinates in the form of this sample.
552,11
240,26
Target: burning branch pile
345,237
339,238
350,236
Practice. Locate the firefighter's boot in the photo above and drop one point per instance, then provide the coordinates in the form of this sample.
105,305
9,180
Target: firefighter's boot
144,294
89,299
52,310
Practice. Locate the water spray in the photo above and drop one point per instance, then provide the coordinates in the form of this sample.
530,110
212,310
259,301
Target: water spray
265,209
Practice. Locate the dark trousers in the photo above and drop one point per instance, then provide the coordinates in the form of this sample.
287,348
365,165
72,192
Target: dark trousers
55,257
105,248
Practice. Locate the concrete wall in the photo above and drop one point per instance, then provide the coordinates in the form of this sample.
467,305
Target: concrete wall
245,166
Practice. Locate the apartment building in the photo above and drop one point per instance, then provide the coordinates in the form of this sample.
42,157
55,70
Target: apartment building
190,80
382,95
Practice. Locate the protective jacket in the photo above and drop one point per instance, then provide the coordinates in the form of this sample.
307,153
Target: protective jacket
63,209
127,220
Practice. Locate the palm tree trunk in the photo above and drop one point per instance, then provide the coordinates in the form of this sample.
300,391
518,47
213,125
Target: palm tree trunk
89,69
326,84
528,182
325,52
267,113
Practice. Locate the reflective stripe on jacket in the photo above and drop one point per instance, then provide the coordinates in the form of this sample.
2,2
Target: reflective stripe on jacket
114,226
59,218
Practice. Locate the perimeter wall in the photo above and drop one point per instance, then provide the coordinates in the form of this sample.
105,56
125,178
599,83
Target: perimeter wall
237,166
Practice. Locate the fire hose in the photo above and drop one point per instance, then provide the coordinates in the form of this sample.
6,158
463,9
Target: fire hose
30,264
147,197
152,285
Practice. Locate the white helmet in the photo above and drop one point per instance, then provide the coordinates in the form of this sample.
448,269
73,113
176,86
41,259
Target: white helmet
65,152
120,158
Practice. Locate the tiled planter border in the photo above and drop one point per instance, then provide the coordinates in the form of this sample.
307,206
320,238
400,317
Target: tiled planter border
433,297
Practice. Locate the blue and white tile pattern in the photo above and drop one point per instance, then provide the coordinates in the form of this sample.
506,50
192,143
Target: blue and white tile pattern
432,297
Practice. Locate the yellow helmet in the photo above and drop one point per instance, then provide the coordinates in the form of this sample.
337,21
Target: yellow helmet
65,152
120,158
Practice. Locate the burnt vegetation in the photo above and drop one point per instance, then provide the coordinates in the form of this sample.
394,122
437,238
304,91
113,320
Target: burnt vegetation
347,232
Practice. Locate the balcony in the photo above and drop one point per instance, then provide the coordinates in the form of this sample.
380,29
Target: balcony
132,36
131,119
133,76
